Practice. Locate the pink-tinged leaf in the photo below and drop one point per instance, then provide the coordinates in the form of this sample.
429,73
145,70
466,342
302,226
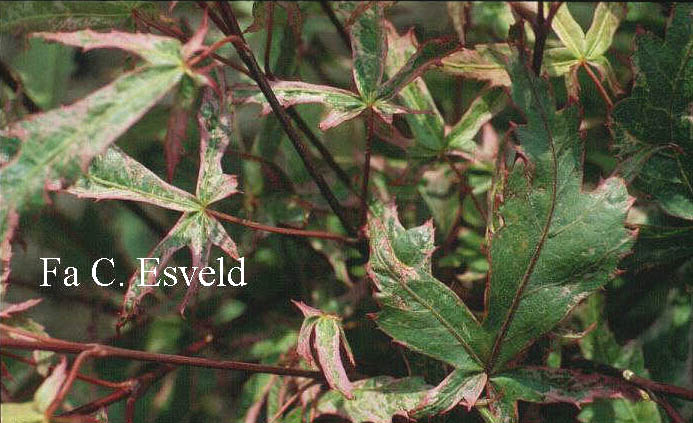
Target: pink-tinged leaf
327,346
116,176
196,43
48,390
342,105
479,63
459,387
323,335
195,230
426,55
8,223
18,308
214,125
307,310
385,110
156,50
376,400
57,145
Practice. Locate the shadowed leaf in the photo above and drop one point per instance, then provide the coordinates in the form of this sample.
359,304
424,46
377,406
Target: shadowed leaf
653,127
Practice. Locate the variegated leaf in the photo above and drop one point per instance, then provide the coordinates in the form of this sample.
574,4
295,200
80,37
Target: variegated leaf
323,334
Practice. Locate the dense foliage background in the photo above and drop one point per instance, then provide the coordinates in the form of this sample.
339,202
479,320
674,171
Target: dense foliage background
466,167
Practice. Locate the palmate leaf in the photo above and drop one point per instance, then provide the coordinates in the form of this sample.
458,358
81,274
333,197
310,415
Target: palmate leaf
429,128
552,246
484,60
114,175
556,243
368,32
653,128
58,144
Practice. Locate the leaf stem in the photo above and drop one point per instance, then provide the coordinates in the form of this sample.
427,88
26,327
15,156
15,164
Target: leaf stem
277,230
600,87
370,122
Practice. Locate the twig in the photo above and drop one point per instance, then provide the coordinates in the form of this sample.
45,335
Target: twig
68,347
85,378
268,40
256,73
16,86
541,33
324,152
340,28
370,122
277,230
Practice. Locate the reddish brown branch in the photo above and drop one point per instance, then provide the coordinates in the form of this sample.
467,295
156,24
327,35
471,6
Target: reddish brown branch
68,347
247,56
600,87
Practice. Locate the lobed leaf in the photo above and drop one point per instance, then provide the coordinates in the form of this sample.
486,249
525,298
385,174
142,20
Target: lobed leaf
416,309
556,244
653,127
58,144
115,175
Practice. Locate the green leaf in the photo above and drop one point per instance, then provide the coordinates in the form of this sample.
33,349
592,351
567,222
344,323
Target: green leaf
425,56
369,48
483,108
428,128
323,333
482,62
546,385
376,400
342,105
416,309
114,175
460,387
555,243
653,127
67,16
581,48
57,144
600,345
44,69
569,31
